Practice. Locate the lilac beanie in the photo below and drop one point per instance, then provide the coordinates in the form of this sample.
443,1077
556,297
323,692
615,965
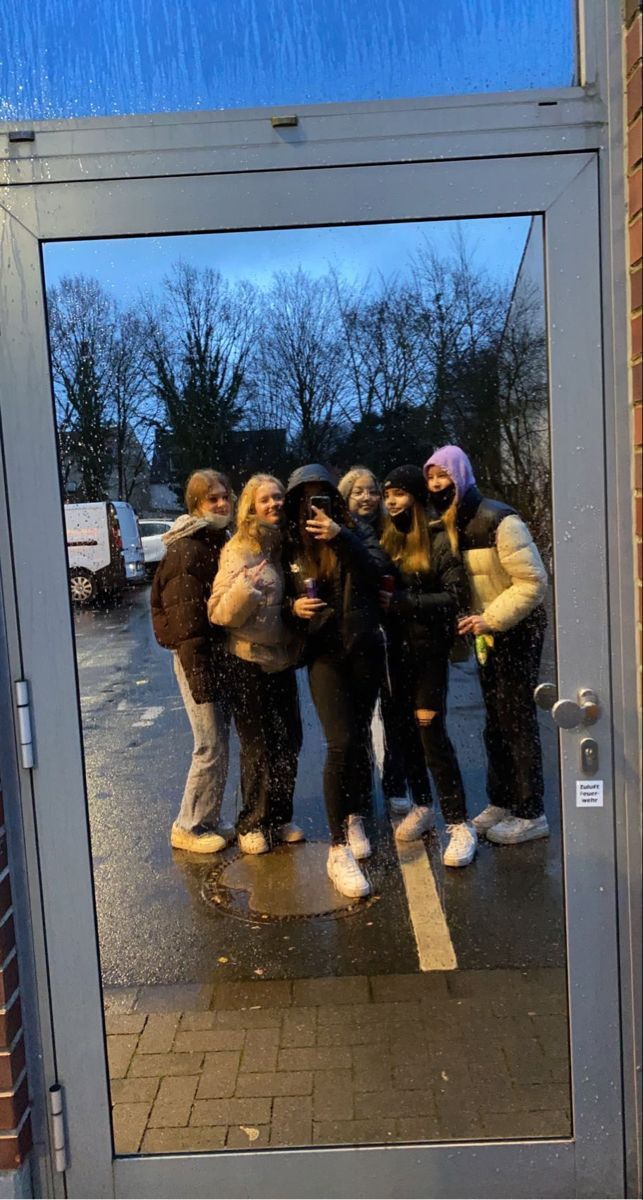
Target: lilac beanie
454,461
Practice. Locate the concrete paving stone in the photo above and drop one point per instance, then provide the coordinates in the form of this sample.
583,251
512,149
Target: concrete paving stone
493,1091
333,1095
417,1129
128,1091
550,1123
210,1039
219,1076
404,1011
494,984
129,1121
460,1126
299,1027
174,998
430,986
192,1021
173,1103
291,1121
413,1075
372,1069
550,1029
352,1035
528,1071
390,1104
275,1083
166,1064
353,1133
351,989
184,1140
257,1017
268,993
121,1022
120,1049
119,999
158,1035
247,1137
545,1095
260,1050
314,1058
253,1110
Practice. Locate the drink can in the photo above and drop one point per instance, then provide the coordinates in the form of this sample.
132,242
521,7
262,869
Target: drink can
310,588
387,583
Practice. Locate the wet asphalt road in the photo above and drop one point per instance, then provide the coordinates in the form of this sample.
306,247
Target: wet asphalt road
154,925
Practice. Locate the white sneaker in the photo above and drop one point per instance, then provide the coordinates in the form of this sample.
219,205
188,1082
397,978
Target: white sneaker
290,833
461,847
399,805
357,838
253,842
419,821
344,872
203,839
489,816
518,829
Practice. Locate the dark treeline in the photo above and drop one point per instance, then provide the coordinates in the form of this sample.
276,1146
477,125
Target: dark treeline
310,368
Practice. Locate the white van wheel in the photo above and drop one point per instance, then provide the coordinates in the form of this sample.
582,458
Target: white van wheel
82,586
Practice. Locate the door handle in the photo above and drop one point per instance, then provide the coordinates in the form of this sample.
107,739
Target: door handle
568,714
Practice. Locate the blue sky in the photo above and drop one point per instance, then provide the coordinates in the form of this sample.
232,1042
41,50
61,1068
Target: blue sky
129,266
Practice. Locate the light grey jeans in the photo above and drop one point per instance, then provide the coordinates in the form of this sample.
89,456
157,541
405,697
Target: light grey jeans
208,772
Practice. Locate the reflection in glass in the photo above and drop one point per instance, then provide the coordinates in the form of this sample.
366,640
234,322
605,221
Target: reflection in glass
252,998
198,55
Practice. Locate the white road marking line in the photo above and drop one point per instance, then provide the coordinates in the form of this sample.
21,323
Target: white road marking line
432,938
148,716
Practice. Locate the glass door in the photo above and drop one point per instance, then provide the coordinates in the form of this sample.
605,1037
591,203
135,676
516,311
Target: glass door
227,1016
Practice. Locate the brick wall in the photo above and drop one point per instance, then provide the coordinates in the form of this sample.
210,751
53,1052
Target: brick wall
634,167
15,1123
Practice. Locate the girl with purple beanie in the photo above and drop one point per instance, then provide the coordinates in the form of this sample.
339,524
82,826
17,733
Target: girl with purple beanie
508,586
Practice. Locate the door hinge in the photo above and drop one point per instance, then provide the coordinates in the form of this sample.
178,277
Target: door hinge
24,723
58,1137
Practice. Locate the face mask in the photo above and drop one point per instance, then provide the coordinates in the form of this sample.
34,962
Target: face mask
442,500
219,520
403,520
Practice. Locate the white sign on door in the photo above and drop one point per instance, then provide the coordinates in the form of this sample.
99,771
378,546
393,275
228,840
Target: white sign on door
589,793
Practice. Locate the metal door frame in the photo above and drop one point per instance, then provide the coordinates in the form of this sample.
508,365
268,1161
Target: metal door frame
160,174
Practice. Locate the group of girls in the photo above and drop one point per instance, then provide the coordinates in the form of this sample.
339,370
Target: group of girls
369,589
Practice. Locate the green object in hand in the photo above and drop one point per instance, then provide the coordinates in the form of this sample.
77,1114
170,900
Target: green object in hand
483,644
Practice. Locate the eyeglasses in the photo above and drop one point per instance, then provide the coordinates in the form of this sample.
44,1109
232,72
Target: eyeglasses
364,491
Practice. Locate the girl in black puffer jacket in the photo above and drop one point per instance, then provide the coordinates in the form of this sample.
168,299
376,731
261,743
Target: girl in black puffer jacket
421,622
341,560
180,593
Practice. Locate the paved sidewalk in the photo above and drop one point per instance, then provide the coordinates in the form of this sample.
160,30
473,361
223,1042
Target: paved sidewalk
453,1055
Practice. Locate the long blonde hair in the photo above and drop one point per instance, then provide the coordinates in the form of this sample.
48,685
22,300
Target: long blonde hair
248,532
449,520
199,484
410,551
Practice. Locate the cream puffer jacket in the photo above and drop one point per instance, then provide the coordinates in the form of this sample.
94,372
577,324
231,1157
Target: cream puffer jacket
252,612
507,575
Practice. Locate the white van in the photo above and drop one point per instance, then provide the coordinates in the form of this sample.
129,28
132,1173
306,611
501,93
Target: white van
103,549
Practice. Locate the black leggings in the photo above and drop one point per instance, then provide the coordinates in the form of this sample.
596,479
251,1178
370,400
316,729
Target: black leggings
511,733
344,690
404,763
266,713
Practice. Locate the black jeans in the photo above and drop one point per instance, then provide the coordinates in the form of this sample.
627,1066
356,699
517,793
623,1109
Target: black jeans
430,692
404,762
266,713
344,690
511,734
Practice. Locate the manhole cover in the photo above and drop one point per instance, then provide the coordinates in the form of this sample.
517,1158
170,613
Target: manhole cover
289,884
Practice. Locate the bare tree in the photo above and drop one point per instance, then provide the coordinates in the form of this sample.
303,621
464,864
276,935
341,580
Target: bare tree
200,338
134,406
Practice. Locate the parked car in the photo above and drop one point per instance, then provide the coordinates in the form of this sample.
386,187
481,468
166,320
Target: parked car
104,549
153,546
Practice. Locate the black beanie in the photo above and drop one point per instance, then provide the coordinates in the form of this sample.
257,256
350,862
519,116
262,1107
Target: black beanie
409,479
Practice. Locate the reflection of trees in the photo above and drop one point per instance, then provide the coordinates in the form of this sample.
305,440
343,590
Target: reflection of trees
314,367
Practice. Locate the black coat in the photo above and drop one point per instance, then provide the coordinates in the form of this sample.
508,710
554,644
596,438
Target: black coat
180,594
425,608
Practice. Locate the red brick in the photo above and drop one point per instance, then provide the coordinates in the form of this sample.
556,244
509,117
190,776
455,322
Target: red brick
634,88
14,1106
636,288
8,981
634,143
637,336
15,1147
638,507
639,556
11,1064
635,240
633,44
637,394
635,192
10,1022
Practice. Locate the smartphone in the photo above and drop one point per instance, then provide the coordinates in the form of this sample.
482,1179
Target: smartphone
322,502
